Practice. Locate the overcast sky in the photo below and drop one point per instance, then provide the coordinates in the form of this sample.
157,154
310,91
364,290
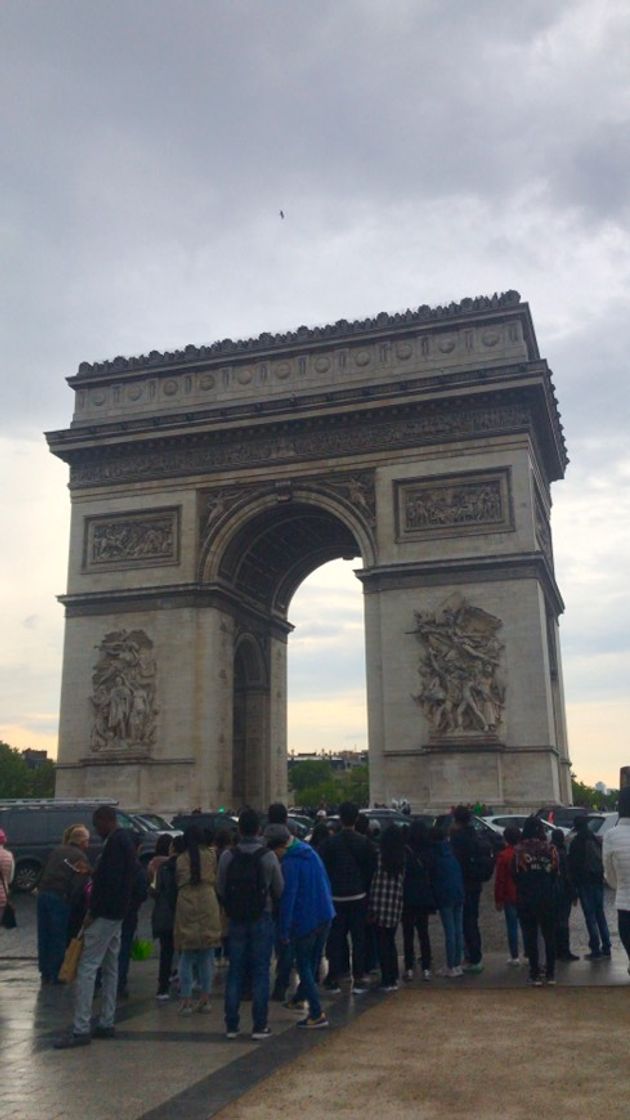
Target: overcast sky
422,151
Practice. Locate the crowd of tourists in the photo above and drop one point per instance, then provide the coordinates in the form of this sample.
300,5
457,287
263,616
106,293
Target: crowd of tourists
323,912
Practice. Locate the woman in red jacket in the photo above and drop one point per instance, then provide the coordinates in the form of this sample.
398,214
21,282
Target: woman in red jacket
505,890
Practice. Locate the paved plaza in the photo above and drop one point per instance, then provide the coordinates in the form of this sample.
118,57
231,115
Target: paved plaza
404,1045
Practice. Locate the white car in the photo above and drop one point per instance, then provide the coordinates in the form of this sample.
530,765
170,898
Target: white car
518,819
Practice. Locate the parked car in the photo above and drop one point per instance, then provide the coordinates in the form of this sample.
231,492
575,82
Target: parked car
35,827
212,820
599,824
518,819
155,823
561,816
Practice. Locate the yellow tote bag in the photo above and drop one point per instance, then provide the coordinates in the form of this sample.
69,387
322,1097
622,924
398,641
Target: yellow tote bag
68,970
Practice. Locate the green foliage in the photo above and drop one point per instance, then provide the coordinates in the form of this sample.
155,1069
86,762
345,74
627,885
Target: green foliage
310,773
590,798
314,781
16,780
355,786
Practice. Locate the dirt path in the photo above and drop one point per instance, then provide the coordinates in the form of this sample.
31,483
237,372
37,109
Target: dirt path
513,1055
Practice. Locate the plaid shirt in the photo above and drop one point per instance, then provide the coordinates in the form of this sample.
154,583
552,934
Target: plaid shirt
386,896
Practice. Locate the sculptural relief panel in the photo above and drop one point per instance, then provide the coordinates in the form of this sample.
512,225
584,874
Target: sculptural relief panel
123,696
332,438
462,692
136,539
449,505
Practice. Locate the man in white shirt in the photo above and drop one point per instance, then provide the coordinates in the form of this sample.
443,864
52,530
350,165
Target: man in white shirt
616,853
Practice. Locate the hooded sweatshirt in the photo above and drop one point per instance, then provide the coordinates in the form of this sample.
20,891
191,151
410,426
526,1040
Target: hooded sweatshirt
306,901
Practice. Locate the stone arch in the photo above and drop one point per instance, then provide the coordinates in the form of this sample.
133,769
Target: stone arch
264,547
208,482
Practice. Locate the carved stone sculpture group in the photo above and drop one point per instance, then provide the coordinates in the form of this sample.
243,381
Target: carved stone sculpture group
123,697
461,689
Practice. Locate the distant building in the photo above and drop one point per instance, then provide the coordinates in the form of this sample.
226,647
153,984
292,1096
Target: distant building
34,759
339,760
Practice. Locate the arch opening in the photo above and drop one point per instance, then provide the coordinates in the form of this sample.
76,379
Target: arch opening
277,548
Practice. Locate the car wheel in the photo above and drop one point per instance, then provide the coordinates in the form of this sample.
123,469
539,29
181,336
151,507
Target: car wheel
26,875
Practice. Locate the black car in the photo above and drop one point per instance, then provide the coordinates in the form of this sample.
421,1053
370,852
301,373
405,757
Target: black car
214,821
445,820
34,828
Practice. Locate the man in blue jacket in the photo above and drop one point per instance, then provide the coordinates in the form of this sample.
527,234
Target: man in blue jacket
306,911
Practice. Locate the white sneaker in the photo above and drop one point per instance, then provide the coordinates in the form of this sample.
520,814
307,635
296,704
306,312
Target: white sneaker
514,961
408,974
426,974
449,973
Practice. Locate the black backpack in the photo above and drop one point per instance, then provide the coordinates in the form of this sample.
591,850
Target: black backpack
482,859
245,891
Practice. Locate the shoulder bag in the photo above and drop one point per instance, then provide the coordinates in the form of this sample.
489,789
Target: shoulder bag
9,920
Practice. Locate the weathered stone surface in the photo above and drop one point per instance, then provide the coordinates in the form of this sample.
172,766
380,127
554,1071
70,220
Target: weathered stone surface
208,483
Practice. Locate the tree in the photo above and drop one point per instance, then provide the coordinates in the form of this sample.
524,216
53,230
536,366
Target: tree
310,773
590,798
355,786
17,780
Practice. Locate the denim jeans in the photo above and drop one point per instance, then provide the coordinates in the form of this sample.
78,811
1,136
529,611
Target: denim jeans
387,954
470,919
534,919
308,955
285,959
167,950
451,917
416,919
127,934
101,946
250,945
511,927
592,902
53,915
349,919
203,959
623,919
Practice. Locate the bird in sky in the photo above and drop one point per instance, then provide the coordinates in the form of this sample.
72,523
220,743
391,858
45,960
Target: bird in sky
282,214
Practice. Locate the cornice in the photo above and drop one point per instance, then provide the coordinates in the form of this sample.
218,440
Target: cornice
172,597
467,570
340,331
276,440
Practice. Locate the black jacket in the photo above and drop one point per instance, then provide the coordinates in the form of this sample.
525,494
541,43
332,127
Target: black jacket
586,867
465,845
350,860
417,883
113,881
165,894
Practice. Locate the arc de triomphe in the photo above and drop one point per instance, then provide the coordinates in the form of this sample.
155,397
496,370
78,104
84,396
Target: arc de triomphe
206,484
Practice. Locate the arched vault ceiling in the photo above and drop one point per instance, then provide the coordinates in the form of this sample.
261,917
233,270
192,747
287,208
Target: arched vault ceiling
271,555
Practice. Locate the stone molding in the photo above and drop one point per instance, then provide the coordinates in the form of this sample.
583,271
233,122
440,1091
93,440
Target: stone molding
466,571
449,505
346,434
340,331
137,539
174,597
